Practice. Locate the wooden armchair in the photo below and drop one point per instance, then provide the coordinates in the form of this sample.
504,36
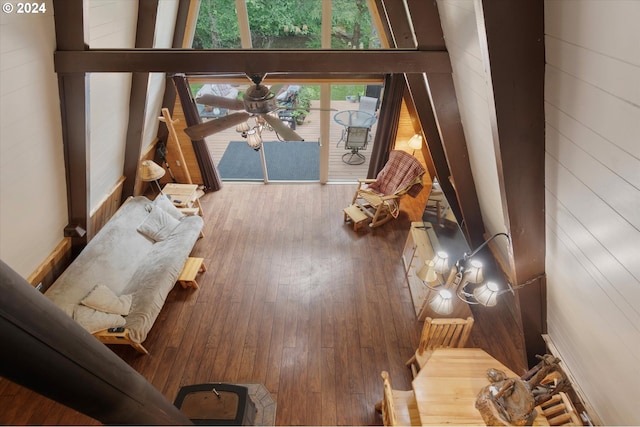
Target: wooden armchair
398,407
379,198
439,333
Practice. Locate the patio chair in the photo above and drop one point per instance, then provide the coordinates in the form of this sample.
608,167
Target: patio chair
379,199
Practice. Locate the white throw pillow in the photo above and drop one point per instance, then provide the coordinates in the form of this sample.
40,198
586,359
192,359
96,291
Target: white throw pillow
158,225
102,298
94,320
163,202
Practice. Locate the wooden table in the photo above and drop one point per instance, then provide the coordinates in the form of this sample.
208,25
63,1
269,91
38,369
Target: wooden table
184,197
447,386
421,245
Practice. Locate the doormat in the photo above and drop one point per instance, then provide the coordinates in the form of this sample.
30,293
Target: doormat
286,161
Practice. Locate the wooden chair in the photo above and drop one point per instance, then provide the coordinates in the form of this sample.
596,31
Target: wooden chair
398,407
379,198
439,333
559,411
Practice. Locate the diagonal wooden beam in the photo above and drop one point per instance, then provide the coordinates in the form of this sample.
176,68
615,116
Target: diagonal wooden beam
255,61
145,30
436,104
515,51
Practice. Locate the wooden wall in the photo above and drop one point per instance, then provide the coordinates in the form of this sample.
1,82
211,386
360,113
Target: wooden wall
593,198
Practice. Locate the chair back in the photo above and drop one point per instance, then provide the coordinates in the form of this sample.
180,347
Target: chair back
400,175
357,138
389,417
559,411
444,333
368,104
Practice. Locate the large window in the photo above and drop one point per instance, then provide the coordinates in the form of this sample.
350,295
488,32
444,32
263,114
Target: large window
283,24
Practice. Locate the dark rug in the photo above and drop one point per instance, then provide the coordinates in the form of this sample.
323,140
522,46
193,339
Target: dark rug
286,161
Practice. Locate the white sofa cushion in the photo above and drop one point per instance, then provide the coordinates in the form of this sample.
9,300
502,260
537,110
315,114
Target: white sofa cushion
103,299
94,320
163,202
158,225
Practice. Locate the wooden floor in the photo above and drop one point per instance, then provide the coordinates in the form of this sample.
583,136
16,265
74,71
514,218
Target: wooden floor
294,299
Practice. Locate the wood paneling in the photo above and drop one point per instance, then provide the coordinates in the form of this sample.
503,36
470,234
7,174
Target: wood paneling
52,266
184,143
106,209
592,207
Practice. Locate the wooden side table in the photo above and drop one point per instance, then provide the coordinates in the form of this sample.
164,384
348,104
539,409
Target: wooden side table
421,245
191,268
184,197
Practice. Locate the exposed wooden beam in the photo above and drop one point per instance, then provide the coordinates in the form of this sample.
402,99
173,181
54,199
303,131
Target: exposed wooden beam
254,61
514,50
426,24
436,105
399,24
72,34
145,30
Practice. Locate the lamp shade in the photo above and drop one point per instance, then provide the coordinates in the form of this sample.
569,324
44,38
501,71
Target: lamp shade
487,294
441,262
243,127
474,272
415,142
442,303
150,171
427,274
254,139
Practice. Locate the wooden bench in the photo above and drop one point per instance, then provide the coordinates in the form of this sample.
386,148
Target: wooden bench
354,214
191,268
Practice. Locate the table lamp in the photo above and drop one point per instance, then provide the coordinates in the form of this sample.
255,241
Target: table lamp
415,143
151,171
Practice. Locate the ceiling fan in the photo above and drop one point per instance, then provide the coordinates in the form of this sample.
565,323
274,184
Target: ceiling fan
258,101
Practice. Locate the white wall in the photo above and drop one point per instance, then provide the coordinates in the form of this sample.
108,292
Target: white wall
473,90
592,182
33,203
165,26
33,198
592,103
112,24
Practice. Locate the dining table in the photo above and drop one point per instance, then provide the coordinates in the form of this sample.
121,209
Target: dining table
447,386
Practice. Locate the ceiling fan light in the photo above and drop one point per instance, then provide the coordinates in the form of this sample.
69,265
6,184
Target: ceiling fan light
243,127
254,139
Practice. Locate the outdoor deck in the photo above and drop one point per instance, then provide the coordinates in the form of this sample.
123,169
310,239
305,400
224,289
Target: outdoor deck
310,131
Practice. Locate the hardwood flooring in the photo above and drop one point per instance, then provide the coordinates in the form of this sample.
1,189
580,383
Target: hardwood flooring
292,298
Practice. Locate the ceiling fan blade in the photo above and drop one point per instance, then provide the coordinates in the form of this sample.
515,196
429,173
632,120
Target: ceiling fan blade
202,130
282,129
220,101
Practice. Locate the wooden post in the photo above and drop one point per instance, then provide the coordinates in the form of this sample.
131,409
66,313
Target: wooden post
49,353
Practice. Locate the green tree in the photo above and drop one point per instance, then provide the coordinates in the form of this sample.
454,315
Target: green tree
217,25
284,24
